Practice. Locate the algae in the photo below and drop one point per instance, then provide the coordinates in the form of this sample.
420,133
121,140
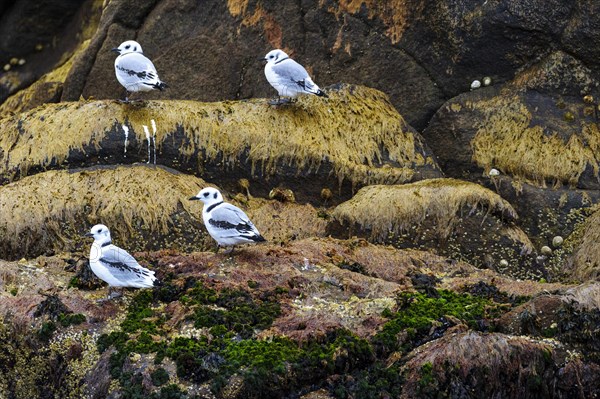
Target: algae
508,139
356,130
395,209
51,211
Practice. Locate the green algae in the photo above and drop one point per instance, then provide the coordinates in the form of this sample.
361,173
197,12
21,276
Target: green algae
417,312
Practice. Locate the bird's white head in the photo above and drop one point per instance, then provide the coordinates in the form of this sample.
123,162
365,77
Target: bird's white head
130,46
209,196
274,56
100,233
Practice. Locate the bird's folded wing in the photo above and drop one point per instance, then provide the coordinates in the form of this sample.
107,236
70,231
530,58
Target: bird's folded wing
137,67
290,69
120,262
229,216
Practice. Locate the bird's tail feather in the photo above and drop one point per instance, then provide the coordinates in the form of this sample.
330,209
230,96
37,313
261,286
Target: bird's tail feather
321,93
161,86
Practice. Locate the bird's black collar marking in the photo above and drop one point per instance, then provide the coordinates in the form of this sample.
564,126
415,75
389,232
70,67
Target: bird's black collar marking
283,59
106,244
213,206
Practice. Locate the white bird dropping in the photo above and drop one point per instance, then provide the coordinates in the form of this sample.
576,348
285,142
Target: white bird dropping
115,265
226,223
153,138
134,71
126,132
288,77
147,139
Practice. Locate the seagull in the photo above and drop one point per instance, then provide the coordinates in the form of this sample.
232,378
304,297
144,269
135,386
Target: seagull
134,71
115,265
288,77
226,223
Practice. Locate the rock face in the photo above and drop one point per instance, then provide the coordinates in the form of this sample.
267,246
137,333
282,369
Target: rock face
583,249
145,207
455,218
455,369
353,138
425,223
539,128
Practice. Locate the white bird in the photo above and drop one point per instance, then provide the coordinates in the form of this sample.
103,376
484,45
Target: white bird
288,77
134,71
226,223
115,265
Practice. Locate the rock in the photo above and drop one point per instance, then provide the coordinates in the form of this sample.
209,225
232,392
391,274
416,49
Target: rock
521,129
336,45
284,222
569,315
145,207
544,212
582,252
459,219
320,299
462,363
42,36
47,89
353,138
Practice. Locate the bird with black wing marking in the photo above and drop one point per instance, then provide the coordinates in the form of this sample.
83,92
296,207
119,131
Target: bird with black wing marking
115,265
288,77
134,71
226,223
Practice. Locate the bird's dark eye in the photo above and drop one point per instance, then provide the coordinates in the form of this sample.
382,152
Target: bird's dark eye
206,194
215,196
99,231
127,46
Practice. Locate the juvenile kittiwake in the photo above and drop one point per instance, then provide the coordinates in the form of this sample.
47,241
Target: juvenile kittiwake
288,77
115,265
226,223
134,71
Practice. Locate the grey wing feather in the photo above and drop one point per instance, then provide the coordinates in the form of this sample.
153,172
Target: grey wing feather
121,264
290,69
136,67
231,214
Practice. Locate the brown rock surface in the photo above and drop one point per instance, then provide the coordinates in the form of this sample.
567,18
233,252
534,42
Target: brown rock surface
353,138
453,217
440,312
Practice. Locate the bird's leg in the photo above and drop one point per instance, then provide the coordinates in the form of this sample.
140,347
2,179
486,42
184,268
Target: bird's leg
274,101
279,101
230,250
126,100
114,293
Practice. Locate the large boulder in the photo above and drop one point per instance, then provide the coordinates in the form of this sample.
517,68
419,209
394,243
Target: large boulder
37,37
144,207
582,250
495,365
353,138
538,128
456,218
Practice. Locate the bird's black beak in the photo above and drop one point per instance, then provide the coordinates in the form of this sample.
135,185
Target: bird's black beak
262,59
88,235
194,198
116,50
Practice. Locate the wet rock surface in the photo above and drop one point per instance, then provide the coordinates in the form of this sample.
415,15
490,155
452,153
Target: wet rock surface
353,138
431,226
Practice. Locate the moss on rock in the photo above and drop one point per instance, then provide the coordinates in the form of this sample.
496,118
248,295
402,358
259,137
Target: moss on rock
144,206
459,219
583,264
356,135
